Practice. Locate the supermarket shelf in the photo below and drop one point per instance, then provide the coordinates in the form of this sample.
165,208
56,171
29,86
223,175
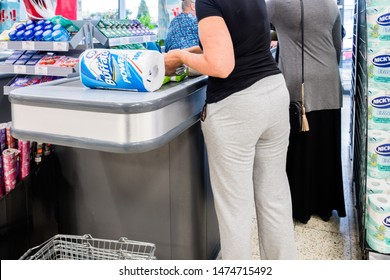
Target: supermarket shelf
86,38
8,89
81,40
377,256
130,40
35,45
38,70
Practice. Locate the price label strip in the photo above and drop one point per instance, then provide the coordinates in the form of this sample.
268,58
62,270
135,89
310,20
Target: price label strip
20,69
3,45
41,70
114,41
28,45
124,41
60,46
147,38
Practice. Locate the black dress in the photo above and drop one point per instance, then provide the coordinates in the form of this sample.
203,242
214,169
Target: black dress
314,167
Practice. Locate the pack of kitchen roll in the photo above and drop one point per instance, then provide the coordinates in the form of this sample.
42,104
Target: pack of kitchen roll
133,70
378,222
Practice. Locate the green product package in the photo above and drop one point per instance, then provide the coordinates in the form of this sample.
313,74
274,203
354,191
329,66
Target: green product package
66,23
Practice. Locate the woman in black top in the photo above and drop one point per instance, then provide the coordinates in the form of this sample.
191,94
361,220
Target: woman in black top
246,128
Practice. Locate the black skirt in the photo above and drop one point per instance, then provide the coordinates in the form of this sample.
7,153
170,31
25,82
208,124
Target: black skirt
314,167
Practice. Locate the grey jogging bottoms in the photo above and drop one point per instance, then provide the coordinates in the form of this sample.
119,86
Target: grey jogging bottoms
246,136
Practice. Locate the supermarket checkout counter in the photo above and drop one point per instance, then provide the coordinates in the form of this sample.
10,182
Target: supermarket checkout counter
133,164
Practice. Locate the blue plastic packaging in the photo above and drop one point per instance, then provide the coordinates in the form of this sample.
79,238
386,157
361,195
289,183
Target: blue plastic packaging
38,35
30,27
40,22
20,27
63,31
29,35
38,28
57,27
12,35
30,22
47,35
60,35
20,35
48,26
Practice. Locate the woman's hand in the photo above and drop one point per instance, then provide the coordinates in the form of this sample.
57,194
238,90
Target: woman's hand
172,61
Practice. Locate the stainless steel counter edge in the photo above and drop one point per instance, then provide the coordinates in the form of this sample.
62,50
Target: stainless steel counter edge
112,147
172,93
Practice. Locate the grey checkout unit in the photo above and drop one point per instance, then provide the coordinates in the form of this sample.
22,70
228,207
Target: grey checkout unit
133,164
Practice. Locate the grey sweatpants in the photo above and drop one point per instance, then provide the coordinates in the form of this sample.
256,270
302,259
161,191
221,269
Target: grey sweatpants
246,136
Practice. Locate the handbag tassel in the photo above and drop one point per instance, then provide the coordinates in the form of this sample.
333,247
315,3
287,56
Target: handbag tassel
305,122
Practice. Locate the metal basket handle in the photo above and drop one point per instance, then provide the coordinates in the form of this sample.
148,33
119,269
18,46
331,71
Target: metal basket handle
28,252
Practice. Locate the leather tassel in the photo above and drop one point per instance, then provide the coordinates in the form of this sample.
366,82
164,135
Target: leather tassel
305,122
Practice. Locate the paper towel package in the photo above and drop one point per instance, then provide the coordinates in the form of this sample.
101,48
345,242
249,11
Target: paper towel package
378,223
134,70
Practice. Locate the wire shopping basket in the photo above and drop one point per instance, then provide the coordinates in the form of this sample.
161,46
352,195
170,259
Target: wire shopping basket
73,247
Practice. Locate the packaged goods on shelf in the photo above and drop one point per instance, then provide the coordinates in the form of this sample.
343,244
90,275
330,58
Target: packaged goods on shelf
66,23
42,30
2,187
24,58
137,46
18,157
31,80
123,28
11,168
58,60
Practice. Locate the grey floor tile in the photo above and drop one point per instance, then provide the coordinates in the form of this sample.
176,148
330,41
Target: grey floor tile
335,224
313,244
356,253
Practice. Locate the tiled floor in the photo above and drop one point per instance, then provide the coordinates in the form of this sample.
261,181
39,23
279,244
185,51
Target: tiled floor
336,239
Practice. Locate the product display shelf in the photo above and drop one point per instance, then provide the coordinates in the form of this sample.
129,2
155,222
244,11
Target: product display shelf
130,40
81,40
35,45
359,92
88,36
38,70
117,41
